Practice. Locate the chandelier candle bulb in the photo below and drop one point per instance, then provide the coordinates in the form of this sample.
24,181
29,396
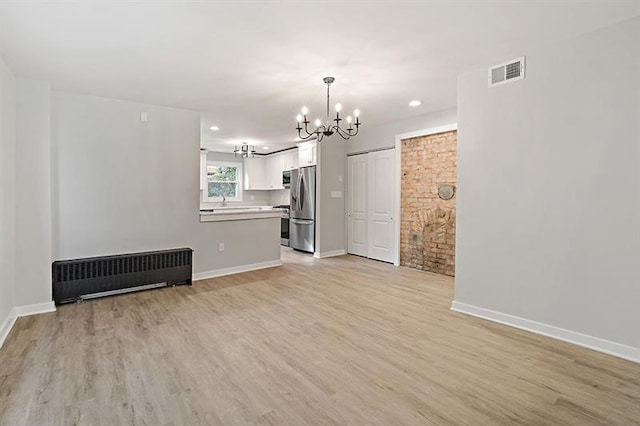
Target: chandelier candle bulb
338,107
304,111
318,123
298,118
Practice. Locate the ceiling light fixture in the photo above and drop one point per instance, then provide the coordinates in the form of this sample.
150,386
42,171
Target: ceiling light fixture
244,150
415,103
327,129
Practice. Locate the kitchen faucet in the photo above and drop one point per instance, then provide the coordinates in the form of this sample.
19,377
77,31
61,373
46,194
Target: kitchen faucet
224,201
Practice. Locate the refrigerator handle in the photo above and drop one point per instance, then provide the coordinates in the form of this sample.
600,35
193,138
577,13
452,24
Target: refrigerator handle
294,194
301,191
302,221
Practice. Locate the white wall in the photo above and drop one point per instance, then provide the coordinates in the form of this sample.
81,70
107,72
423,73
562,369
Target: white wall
549,189
7,196
123,185
330,211
279,197
25,198
383,135
33,192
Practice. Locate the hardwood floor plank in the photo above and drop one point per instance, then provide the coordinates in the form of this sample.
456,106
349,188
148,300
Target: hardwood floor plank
338,341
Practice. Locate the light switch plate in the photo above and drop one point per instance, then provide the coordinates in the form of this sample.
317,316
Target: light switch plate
336,194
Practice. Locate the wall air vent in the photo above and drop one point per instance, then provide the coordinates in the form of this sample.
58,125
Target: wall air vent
506,72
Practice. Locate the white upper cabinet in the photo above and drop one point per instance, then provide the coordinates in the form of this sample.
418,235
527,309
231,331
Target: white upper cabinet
307,154
265,172
273,168
290,158
254,173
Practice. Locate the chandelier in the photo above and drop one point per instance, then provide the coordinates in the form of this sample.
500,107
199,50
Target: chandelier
327,129
244,150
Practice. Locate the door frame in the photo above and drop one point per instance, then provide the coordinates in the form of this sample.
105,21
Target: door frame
398,175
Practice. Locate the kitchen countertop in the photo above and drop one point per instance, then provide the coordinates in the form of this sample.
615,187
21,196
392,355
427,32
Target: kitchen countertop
218,214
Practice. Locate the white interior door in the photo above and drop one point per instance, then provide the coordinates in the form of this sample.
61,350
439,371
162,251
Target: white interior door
357,205
381,229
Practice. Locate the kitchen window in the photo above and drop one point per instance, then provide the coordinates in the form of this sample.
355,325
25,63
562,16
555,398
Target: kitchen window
223,180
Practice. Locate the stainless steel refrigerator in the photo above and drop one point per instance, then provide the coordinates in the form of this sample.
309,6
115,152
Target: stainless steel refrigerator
302,222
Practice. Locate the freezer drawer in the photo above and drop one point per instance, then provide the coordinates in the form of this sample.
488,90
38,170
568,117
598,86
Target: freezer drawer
302,234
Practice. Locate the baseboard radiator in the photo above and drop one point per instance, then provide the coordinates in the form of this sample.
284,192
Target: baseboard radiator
92,277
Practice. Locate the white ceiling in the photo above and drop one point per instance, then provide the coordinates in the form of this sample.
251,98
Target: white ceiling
249,66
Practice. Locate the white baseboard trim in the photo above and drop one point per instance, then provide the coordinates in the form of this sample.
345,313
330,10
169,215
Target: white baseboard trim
235,270
601,345
23,311
7,325
38,308
333,253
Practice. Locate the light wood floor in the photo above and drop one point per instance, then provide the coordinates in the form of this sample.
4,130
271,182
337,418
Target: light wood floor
343,341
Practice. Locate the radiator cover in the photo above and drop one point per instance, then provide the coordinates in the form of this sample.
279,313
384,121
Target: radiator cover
90,277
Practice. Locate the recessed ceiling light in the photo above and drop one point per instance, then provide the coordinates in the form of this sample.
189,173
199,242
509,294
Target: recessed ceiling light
415,103
265,147
214,128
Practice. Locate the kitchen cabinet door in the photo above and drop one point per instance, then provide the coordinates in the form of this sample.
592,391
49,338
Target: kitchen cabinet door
274,166
314,152
254,173
307,154
290,158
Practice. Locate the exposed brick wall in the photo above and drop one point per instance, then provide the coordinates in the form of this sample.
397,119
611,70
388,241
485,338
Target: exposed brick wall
428,223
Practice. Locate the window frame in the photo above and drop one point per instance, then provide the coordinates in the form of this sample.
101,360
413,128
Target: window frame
238,181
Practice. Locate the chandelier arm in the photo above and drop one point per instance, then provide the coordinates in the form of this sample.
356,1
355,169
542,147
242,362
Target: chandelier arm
345,134
320,128
306,130
306,126
356,132
308,136
318,132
